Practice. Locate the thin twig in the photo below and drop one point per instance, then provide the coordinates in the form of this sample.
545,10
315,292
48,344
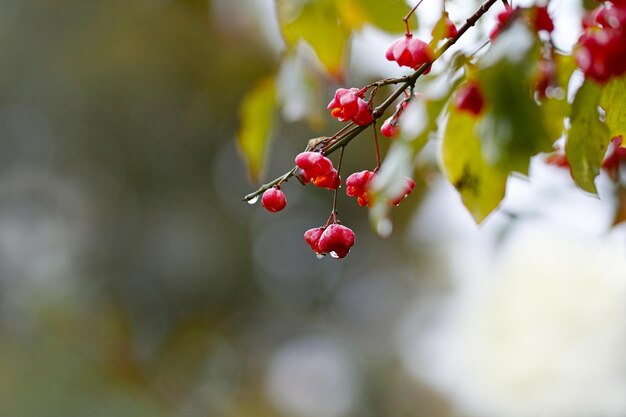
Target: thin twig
406,18
376,146
334,212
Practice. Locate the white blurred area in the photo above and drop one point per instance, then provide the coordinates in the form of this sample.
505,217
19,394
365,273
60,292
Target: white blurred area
312,377
534,320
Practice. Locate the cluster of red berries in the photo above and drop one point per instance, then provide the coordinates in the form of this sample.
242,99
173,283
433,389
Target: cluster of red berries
601,49
350,105
333,238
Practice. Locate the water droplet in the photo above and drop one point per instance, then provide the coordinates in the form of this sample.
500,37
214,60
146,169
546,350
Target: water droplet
253,200
334,254
384,227
319,255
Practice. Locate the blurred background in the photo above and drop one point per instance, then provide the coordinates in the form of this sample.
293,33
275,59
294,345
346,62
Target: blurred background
134,281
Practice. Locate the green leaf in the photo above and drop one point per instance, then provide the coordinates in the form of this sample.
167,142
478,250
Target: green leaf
385,14
318,23
587,138
513,128
613,101
480,184
553,113
565,66
256,117
556,109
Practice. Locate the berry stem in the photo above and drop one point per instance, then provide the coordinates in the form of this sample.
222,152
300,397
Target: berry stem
376,146
406,18
349,132
334,212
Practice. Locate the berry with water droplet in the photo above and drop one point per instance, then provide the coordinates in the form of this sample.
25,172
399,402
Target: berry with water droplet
336,240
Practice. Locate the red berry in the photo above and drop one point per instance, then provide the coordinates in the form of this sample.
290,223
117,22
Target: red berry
451,30
503,19
330,181
609,17
273,200
410,52
601,50
469,98
313,165
389,128
409,185
348,104
336,240
445,28
600,54
542,19
312,237
357,186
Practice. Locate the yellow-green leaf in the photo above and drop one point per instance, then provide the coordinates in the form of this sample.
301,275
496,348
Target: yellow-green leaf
613,101
556,109
481,185
256,117
440,29
385,14
318,23
587,138
565,67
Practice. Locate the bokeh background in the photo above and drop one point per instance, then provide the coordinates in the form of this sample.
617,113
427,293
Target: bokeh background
134,281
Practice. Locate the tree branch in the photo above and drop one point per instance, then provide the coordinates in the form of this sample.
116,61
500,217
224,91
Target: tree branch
340,140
